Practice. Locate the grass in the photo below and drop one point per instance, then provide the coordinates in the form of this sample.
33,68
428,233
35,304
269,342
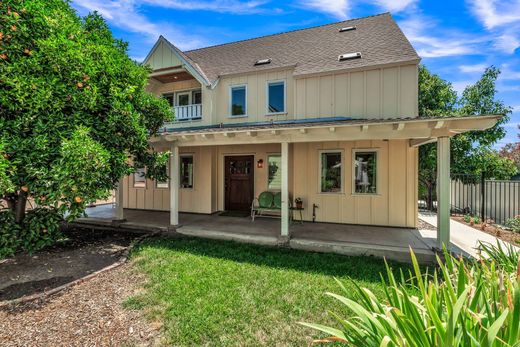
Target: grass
218,293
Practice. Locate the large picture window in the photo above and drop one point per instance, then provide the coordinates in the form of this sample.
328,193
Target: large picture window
186,175
139,178
331,172
274,179
365,172
276,97
238,100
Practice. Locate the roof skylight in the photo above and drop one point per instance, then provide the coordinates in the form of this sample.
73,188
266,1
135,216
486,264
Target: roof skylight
346,29
263,62
349,56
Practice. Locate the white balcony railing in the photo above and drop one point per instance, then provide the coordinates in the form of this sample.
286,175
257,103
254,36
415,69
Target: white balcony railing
188,112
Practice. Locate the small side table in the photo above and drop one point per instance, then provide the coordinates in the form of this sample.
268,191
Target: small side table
298,209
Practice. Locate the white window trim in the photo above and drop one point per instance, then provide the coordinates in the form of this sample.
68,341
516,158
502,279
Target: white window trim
186,155
267,97
353,183
184,92
267,167
320,152
230,104
145,181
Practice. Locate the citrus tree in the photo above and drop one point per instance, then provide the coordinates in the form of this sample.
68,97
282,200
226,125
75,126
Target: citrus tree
74,117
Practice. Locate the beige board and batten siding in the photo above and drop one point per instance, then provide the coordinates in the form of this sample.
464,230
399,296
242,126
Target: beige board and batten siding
395,203
389,92
256,87
199,199
163,57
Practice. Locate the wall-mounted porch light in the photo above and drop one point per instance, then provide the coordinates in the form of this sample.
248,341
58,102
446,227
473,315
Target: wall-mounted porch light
260,164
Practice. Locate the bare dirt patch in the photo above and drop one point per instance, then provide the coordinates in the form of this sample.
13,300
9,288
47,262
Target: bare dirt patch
89,314
82,253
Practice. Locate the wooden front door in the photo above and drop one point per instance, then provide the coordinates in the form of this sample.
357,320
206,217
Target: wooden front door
239,182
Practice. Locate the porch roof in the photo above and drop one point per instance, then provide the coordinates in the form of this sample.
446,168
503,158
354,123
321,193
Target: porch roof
420,129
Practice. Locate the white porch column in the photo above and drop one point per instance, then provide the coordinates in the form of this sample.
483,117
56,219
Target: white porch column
119,213
443,192
285,190
174,184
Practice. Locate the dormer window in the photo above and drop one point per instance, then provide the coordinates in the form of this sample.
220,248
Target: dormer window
263,62
349,56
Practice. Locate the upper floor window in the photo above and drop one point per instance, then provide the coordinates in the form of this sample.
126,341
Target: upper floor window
139,178
276,97
238,100
196,97
365,172
170,98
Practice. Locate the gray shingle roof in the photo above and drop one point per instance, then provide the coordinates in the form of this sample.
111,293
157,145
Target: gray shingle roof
312,50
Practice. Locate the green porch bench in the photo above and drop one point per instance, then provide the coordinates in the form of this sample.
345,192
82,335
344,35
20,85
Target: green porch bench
267,204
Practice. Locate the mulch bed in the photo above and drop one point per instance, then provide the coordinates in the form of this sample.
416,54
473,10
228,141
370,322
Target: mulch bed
89,314
491,229
422,225
82,253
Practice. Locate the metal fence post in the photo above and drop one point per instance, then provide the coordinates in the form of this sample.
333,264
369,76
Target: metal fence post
483,197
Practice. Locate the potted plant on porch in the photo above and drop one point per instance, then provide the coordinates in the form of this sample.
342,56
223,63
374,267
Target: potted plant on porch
299,203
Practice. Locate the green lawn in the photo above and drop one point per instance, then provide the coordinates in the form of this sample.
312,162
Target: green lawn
218,293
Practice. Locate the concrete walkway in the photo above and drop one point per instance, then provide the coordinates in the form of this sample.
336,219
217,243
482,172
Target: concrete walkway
462,236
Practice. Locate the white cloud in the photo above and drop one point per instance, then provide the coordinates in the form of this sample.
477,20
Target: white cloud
459,86
395,5
444,43
507,43
491,16
223,6
337,8
473,68
125,14
502,18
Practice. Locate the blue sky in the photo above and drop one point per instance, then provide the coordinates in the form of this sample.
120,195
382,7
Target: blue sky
456,39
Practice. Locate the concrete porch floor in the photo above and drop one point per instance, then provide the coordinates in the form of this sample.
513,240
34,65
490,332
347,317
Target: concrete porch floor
392,243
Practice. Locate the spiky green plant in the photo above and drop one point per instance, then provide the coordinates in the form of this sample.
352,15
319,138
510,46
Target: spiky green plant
462,303
504,255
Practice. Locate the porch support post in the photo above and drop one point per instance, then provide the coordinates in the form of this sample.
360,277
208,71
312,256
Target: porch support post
119,213
443,192
285,190
174,184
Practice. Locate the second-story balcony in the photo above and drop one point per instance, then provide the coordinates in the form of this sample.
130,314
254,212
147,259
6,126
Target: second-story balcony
188,112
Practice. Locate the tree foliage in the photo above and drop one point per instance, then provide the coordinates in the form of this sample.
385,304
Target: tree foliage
512,151
74,113
471,152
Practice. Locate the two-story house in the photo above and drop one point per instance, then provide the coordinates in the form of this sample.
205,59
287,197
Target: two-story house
327,114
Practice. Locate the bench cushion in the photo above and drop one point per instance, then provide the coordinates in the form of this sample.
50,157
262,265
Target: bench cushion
265,200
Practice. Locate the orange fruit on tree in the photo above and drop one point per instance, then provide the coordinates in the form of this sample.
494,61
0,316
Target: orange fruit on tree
25,189
77,199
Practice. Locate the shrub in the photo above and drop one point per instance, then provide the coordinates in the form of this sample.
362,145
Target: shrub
467,218
514,224
473,305
476,219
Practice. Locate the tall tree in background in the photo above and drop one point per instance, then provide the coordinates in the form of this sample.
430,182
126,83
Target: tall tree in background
73,116
512,150
471,153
